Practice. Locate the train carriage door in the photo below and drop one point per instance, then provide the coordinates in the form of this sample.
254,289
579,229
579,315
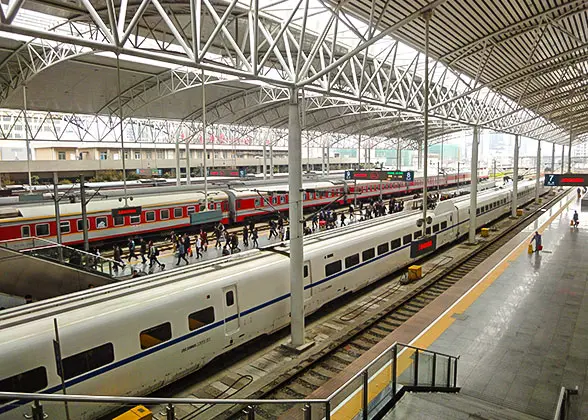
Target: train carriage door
307,280
231,310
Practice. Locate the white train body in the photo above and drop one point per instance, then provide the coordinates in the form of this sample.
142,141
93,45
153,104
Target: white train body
195,314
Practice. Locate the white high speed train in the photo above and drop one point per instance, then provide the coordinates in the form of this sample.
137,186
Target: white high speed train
134,337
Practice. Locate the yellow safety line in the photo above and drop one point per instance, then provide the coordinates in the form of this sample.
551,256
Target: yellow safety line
377,383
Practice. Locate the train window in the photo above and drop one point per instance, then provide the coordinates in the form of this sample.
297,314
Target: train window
436,228
87,360
383,248
333,268
150,216
178,212
443,225
164,214
135,220
478,211
65,226
351,260
418,234
101,222
155,335
428,230
274,200
30,381
201,207
282,199
305,271
80,225
191,210
395,243
257,202
25,231
201,318
368,254
210,206
42,229
230,298
406,239
118,220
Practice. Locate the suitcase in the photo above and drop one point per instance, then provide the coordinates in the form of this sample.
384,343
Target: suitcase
540,248
530,249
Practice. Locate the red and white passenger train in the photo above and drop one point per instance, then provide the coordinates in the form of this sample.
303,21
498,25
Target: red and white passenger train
165,212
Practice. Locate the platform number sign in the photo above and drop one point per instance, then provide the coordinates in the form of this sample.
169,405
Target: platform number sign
567,180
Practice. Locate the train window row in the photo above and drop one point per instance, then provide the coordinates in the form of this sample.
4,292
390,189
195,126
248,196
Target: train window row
491,206
101,222
35,380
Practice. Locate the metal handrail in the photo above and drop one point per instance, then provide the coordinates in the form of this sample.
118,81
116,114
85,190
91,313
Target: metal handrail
563,403
250,404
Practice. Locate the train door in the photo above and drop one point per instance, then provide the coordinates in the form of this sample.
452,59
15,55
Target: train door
307,281
231,310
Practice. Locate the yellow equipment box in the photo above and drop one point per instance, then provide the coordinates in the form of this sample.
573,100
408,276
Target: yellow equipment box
485,232
519,212
415,272
137,413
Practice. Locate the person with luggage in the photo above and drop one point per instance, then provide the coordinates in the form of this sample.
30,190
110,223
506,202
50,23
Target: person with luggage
575,219
537,239
132,250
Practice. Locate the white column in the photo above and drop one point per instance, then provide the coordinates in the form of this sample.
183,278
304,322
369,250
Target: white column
552,158
271,159
204,151
515,177
563,158
538,171
28,144
188,170
398,157
323,160
328,159
570,152
264,161
178,178
474,185
427,17
295,214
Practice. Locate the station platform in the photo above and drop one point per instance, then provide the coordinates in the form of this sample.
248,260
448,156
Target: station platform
522,330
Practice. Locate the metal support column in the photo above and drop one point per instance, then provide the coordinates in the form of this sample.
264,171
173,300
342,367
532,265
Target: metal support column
84,212
538,171
427,16
178,178
515,176
264,161
56,200
552,158
474,185
122,130
398,157
419,155
28,143
271,159
328,159
188,170
323,160
570,152
205,152
563,158
295,214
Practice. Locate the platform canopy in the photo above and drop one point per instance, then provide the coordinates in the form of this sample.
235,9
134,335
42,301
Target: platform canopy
510,66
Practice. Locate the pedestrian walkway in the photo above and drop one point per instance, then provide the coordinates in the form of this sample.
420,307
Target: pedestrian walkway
522,331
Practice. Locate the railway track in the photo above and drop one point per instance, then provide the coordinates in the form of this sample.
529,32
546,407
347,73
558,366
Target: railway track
313,373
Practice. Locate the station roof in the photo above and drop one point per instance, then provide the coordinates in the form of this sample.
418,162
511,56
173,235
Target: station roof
535,52
531,53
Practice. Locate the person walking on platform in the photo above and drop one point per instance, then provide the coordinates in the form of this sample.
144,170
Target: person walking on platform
537,239
181,252
204,239
245,236
235,243
188,245
219,232
575,219
117,256
272,226
288,233
254,236
143,250
153,254
198,246
343,219
132,250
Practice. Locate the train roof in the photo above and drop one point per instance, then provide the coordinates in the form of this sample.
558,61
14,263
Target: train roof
40,210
